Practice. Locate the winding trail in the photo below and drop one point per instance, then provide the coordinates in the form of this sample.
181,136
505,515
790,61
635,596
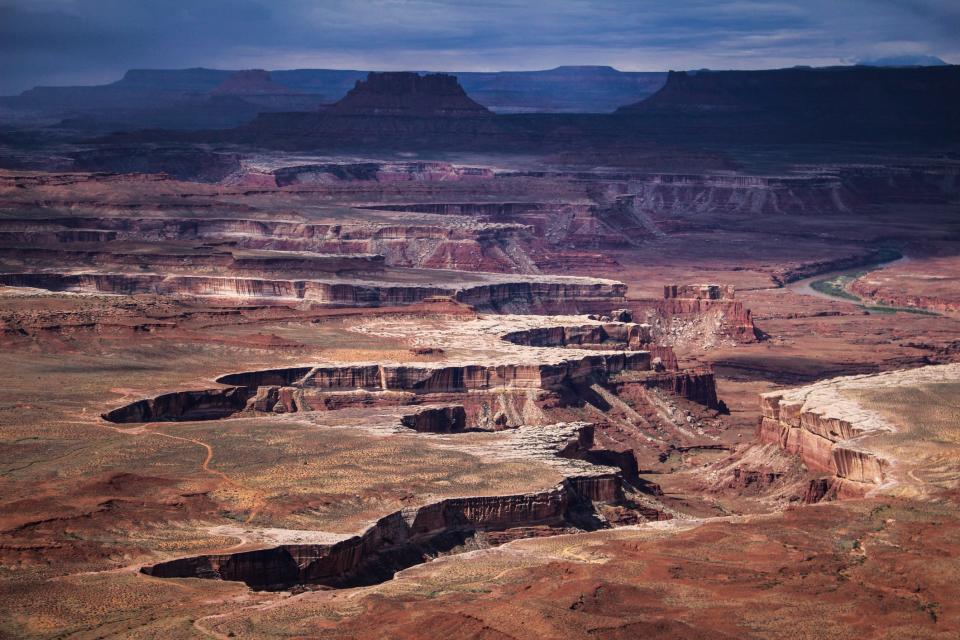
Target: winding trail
205,466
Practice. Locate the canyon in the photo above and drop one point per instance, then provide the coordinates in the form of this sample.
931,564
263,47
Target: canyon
833,431
387,355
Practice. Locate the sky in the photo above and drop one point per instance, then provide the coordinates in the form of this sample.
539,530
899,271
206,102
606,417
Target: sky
66,42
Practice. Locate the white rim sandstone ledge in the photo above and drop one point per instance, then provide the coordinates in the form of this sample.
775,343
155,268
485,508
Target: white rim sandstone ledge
481,290
834,433
332,559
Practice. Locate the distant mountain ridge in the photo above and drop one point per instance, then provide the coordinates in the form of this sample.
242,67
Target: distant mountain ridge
253,82
869,104
152,97
405,111
839,91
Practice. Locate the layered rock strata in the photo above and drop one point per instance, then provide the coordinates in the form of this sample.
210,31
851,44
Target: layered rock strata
399,540
438,378
697,385
459,244
206,404
527,293
824,441
713,308
449,419
698,292
667,196
413,535
613,335
609,335
329,387
836,434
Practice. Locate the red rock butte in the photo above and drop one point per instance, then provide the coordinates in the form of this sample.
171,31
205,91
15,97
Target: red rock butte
409,94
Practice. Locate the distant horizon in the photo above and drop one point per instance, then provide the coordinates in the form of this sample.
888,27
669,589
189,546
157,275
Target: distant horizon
91,42
865,63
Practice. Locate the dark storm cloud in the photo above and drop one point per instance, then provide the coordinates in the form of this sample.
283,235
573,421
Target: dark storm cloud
90,41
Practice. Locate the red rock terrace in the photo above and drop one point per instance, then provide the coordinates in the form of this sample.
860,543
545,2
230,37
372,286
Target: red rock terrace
582,501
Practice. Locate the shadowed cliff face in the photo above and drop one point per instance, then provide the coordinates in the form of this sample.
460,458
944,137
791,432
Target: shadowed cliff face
385,110
819,106
418,533
409,537
810,105
195,164
154,97
837,90
409,94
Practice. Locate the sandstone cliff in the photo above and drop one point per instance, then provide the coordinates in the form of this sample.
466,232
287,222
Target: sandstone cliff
409,95
831,428
537,294
396,541
838,103
705,314
413,535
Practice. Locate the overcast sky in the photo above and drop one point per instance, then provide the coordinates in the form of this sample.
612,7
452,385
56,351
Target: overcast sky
46,42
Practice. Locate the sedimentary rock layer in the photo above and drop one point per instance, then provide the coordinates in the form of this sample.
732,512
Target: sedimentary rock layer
835,434
207,404
449,419
435,378
531,293
330,387
698,292
399,540
824,444
469,245
411,536
608,335
697,385
698,303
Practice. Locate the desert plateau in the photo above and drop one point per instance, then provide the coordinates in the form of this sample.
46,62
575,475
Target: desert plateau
575,353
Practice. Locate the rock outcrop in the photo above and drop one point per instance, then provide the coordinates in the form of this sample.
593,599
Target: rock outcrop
449,419
408,94
206,404
411,536
698,292
441,377
611,335
331,387
707,313
387,110
544,294
697,385
839,103
824,443
394,542
833,432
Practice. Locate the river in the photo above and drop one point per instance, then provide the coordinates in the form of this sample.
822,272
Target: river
804,286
